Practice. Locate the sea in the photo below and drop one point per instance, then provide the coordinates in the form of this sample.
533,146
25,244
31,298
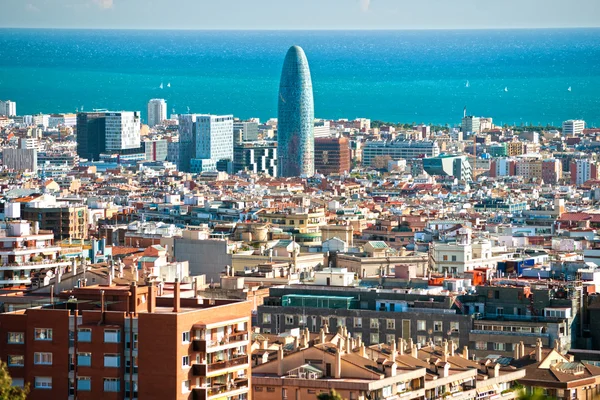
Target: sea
522,77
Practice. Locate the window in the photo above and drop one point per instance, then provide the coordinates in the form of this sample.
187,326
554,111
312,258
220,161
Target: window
422,340
499,310
43,334
453,258
42,358
421,325
16,337
84,359
437,340
185,361
266,318
357,335
186,386
301,319
43,382
374,323
112,336
112,384
112,360
438,326
391,323
454,327
387,391
480,345
499,346
374,338
341,321
84,383
358,322
84,335
445,258
16,361
496,294
289,320
284,393
390,338
185,337
18,382
135,365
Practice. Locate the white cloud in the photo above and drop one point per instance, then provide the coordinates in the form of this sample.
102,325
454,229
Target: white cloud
105,4
30,7
364,5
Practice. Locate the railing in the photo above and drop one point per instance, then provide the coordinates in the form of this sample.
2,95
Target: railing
228,363
202,345
513,317
204,392
503,333
29,263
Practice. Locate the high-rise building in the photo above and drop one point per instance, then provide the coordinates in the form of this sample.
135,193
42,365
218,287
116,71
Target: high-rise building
187,141
122,130
573,127
8,108
295,137
471,124
91,135
257,157
551,170
583,170
214,143
332,155
157,112
245,131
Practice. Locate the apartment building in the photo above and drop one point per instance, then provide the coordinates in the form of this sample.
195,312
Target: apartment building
399,149
66,220
124,342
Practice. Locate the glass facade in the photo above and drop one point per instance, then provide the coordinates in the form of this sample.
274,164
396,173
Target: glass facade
295,135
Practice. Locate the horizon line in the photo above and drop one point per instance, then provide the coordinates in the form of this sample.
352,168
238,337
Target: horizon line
304,29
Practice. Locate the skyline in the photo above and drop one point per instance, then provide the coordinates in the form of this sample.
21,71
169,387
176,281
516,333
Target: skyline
310,15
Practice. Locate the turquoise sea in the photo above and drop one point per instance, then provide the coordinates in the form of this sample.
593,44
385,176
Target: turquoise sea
400,76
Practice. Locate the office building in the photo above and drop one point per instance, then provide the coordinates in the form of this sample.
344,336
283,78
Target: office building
295,112
332,155
125,342
256,157
155,150
214,143
471,124
20,159
8,108
157,112
583,170
449,165
245,131
60,120
399,149
91,135
187,141
122,130
573,127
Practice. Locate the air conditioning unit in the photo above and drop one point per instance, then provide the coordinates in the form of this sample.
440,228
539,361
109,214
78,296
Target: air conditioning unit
312,375
302,375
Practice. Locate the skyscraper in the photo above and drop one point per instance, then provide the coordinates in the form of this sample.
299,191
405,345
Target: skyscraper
122,130
214,143
8,108
91,135
295,136
157,112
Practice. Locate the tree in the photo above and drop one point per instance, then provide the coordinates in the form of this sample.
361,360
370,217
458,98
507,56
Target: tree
380,162
534,394
7,391
332,395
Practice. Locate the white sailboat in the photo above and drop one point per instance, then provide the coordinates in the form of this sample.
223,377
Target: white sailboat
169,84
506,88
161,85
467,84
569,89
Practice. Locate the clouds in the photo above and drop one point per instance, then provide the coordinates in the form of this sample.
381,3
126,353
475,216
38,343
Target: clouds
104,4
364,5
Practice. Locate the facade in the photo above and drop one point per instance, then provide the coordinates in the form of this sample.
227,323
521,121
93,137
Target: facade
448,165
122,130
91,135
256,157
155,150
399,149
60,120
583,170
205,256
157,112
245,131
295,124
471,124
573,127
138,346
65,220
187,140
8,108
214,142
20,159
503,167
551,170
332,155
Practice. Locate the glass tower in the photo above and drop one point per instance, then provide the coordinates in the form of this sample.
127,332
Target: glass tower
295,114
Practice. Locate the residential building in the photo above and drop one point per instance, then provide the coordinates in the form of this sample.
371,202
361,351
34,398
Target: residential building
8,108
295,117
583,170
157,112
66,220
62,120
551,170
20,159
573,127
255,157
332,155
399,149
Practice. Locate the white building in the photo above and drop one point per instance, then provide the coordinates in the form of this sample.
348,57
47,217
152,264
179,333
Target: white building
399,149
214,141
8,108
573,127
471,124
122,130
56,120
334,277
245,131
157,112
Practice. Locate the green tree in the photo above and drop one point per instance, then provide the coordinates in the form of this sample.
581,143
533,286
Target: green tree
7,391
535,394
332,395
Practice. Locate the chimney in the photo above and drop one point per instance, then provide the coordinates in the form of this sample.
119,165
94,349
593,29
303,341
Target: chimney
349,345
465,353
522,346
557,345
296,343
359,341
393,351
391,370
326,327
414,351
401,345
496,371
133,298
176,296
452,348
280,367
264,344
444,371
538,350
409,345
517,351
362,350
151,299
445,351
322,335
338,365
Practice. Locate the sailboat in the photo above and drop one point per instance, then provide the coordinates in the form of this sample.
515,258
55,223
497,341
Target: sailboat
569,89
161,85
169,84
506,88
467,84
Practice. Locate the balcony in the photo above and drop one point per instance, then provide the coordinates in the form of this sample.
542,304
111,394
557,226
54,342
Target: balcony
35,265
209,345
238,387
206,369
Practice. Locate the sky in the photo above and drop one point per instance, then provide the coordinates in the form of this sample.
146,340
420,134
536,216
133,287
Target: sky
299,14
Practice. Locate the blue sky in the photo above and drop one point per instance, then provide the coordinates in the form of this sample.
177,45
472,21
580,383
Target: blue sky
299,14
